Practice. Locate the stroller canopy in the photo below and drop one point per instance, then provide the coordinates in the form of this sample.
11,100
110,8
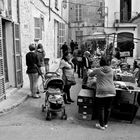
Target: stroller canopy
54,82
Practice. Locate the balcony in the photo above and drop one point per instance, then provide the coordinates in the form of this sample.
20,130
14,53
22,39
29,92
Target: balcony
124,17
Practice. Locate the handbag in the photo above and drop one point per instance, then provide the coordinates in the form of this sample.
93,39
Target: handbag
70,80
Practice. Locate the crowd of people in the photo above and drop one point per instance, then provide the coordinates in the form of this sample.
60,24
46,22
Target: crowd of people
74,59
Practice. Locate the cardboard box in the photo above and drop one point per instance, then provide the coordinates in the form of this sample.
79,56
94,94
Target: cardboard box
86,97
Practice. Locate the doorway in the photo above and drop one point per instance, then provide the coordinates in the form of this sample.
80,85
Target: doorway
5,52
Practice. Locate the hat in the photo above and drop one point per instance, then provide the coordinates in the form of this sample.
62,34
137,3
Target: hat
86,53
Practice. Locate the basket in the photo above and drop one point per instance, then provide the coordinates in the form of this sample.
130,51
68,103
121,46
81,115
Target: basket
55,105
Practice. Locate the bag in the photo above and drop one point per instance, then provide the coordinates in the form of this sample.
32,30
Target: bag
38,70
70,80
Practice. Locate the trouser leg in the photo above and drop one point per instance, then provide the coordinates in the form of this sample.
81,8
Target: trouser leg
78,71
31,82
101,109
108,105
67,92
35,83
85,77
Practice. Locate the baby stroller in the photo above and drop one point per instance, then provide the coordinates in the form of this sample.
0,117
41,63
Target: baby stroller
54,102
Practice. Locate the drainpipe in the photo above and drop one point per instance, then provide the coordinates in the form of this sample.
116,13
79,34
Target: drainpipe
18,11
49,10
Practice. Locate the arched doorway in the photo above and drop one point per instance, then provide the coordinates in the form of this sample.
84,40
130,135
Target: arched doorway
125,42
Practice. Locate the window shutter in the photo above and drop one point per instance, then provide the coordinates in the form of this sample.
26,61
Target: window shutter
37,27
18,58
2,80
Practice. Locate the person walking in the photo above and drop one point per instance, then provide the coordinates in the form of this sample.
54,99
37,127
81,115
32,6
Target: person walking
74,59
67,70
32,63
79,63
105,91
85,66
72,46
64,48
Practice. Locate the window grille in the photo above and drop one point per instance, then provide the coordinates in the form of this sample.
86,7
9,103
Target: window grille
78,12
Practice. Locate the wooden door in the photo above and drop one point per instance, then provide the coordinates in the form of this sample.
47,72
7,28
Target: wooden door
18,57
2,79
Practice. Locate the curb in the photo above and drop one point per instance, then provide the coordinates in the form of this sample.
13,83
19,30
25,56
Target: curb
8,109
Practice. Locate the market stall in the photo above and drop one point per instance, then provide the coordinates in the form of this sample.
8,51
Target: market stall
125,104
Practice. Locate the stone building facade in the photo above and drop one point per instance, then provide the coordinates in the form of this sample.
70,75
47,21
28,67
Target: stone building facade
86,17
29,21
121,31
46,22
10,49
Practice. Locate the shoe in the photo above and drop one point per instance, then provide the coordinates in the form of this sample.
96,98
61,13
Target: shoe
100,127
30,95
70,101
106,126
36,96
38,93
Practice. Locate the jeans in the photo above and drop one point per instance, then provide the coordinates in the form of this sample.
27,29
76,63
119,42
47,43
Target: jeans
79,70
104,108
33,77
67,93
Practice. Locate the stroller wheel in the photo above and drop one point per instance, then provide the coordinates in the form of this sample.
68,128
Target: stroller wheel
64,117
43,108
48,116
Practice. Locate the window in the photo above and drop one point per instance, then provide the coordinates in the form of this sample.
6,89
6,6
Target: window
64,4
79,36
42,23
61,35
37,27
1,5
78,12
125,10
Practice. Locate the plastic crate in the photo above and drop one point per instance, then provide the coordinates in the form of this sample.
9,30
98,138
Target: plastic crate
87,117
85,110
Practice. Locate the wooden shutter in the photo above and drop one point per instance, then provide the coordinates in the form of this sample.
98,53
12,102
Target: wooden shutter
2,80
37,27
18,58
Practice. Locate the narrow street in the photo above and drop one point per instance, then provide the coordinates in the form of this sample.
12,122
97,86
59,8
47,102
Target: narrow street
28,122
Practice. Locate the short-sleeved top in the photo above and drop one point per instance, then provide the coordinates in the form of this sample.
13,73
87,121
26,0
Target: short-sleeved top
66,67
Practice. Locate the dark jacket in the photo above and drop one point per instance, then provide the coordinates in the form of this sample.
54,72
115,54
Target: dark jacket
86,64
32,61
41,55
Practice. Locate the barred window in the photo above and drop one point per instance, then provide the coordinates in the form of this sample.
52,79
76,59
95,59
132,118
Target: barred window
78,12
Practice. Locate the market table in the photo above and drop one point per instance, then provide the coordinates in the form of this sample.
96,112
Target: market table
124,105
134,91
